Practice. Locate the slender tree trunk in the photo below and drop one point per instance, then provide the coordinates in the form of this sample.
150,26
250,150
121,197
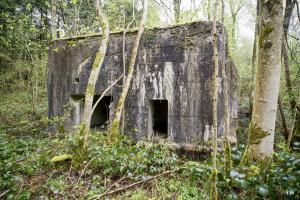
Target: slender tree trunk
124,56
117,118
233,21
296,125
227,148
288,82
90,90
283,121
254,57
214,191
208,10
176,4
289,7
261,130
53,20
288,12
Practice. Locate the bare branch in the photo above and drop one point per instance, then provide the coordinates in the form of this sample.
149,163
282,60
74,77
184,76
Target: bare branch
104,93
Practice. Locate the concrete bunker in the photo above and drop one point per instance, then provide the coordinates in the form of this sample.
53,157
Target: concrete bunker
170,94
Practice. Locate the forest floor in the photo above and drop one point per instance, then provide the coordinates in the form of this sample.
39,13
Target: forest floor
124,170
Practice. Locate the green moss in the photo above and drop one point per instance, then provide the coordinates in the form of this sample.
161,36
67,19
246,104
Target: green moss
61,128
253,171
213,188
227,156
72,43
255,135
56,49
266,162
97,60
90,89
265,31
114,131
61,158
149,37
80,151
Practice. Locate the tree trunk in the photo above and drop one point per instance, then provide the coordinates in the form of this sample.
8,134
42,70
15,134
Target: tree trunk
233,21
208,10
214,191
288,12
261,130
283,121
89,94
124,56
254,57
227,148
117,118
176,4
289,7
53,20
288,82
295,133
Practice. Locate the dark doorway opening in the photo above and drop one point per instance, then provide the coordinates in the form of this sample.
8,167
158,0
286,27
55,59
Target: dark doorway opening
100,116
159,113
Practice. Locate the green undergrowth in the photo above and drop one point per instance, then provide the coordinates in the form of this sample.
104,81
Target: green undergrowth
28,173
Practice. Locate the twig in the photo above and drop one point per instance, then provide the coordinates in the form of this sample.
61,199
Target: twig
104,93
69,173
4,193
298,12
82,173
115,183
21,188
134,184
124,177
51,175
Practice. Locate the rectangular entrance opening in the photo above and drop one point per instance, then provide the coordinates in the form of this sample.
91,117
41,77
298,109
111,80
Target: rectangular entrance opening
100,116
159,113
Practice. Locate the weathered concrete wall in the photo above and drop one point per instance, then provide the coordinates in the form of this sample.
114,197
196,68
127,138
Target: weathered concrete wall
173,63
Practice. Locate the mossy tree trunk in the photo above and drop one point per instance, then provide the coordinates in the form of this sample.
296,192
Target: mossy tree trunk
124,55
295,133
176,4
118,114
289,7
89,94
214,191
261,131
285,130
226,148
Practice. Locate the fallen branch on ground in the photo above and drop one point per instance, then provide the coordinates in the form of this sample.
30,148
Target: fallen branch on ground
4,193
135,184
82,173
